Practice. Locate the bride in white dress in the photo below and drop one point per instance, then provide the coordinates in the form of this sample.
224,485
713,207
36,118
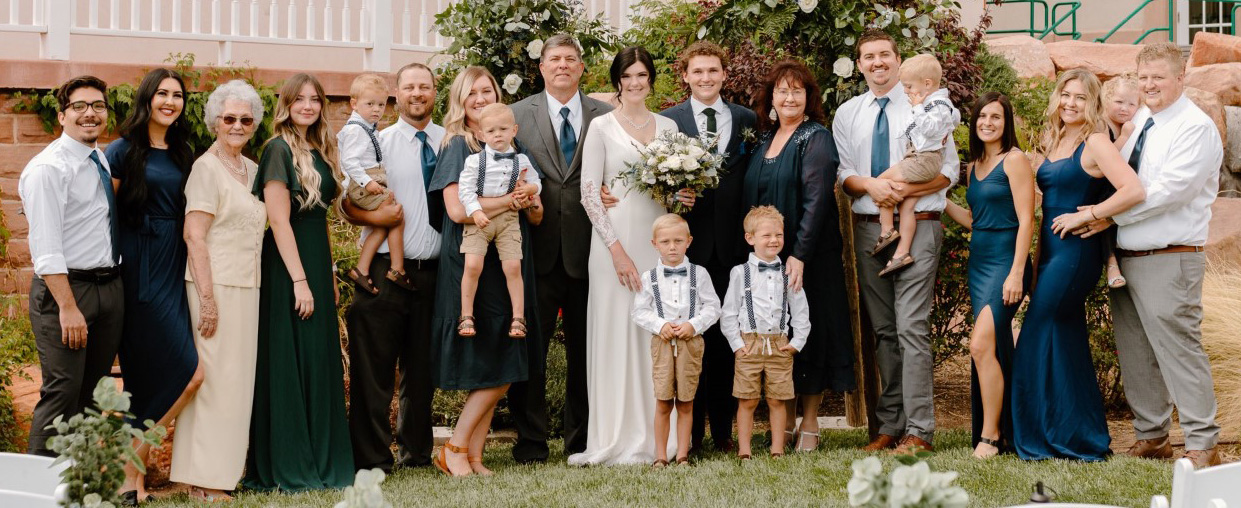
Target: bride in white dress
620,429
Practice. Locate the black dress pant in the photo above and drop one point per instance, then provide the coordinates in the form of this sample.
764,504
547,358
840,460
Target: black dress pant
70,375
714,399
388,332
557,292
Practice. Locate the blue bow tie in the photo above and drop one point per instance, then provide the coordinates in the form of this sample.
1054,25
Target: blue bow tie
668,272
762,267
510,155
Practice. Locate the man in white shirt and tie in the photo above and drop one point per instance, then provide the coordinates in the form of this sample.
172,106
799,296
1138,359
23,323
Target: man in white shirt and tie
867,132
76,297
1177,153
392,329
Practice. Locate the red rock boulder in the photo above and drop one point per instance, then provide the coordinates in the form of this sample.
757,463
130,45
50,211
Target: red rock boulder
1212,48
1213,107
1104,60
1222,79
1028,56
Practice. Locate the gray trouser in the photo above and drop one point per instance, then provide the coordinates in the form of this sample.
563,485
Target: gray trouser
1158,323
70,375
899,307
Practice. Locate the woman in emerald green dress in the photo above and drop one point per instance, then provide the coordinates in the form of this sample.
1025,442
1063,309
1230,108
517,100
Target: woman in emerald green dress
299,434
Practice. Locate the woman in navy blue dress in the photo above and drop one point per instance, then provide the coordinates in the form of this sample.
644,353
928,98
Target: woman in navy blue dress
150,165
1001,199
1057,408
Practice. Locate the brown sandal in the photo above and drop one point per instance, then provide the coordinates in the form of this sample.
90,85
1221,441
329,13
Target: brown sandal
401,279
743,457
683,461
659,464
517,328
362,281
896,265
440,460
885,240
465,326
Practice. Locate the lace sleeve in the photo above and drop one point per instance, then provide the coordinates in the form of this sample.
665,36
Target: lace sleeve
594,155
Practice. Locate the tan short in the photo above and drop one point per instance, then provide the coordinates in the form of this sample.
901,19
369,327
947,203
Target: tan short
759,370
920,167
676,377
504,231
359,196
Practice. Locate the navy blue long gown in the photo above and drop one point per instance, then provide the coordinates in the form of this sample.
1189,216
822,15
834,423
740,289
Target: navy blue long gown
1057,408
157,352
993,245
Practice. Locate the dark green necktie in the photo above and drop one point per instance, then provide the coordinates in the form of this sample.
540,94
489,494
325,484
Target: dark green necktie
710,112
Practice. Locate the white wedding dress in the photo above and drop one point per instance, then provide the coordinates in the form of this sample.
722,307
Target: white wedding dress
621,428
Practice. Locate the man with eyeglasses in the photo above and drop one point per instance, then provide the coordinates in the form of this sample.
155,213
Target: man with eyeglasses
76,298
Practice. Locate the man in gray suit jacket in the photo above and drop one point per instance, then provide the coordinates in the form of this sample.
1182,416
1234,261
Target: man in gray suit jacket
553,124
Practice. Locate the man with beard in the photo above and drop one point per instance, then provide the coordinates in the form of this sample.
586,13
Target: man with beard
392,329
76,298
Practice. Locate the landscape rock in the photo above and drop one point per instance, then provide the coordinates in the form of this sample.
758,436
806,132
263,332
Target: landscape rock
1222,79
1232,148
1212,48
1212,106
1028,56
1104,60
1224,239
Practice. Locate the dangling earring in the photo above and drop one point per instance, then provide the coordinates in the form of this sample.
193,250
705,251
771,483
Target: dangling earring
772,114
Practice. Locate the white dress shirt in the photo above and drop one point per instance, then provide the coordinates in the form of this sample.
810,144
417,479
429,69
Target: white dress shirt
723,120
852,128
402,148
1180,172
357,153
575,114
498,174
767,292
67,208
931,122
674,298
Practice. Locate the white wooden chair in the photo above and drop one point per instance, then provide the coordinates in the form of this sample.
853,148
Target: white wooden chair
25,500
31,474
1213,487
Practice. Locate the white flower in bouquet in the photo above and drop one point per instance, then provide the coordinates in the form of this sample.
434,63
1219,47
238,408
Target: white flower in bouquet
907,486
908,483
869,468
807,6
842,67
694,152
535,49
512,83
365,491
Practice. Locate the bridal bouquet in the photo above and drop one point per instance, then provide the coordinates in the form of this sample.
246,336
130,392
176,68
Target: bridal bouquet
674,161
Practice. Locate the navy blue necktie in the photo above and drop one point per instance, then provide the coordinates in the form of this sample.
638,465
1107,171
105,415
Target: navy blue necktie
428,159
762,267
669,272
1135,158
879,154
107,191
568,140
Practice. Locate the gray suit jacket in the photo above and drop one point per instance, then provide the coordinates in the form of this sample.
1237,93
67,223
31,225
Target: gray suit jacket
565,232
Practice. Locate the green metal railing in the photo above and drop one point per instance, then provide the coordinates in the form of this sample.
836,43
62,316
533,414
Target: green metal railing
1051,21
1236,5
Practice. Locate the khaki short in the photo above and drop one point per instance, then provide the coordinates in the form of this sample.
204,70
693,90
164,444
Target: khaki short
365,200
676,377
504,231
920,167
757,370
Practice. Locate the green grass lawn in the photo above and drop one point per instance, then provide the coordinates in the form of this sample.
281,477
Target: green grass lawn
814,479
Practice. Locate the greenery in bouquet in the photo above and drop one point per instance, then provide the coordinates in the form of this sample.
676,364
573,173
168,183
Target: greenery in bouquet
674,161
910,485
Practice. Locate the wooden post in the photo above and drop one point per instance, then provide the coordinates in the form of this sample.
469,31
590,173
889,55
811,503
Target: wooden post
859,404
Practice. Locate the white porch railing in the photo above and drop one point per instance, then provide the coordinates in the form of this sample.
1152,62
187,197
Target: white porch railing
375,28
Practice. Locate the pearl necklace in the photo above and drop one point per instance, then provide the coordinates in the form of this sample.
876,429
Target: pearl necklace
238,169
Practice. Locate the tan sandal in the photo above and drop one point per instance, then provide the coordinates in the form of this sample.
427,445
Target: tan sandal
885,240
517,328
440,460
465,326
896,265
659,464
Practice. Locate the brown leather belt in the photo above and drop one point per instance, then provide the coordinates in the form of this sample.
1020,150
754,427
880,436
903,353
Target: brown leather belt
1166,250
897,217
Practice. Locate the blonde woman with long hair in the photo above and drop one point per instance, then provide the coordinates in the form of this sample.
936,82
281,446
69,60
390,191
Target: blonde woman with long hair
299,435
1056,405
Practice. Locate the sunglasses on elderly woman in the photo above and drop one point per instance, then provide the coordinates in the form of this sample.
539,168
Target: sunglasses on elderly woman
245,120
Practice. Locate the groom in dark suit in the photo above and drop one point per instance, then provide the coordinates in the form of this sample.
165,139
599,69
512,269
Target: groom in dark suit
715,221
553,125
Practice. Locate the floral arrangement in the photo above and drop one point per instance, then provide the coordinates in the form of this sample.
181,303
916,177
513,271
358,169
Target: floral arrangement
674,161
911,484
98,443
365,491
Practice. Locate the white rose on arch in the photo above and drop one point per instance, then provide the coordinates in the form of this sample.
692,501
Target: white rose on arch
512,83
843,67
807,6
535,49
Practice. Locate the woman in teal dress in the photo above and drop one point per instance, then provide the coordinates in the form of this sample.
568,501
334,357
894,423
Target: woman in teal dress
794,169
299,435
1001,199
1057,408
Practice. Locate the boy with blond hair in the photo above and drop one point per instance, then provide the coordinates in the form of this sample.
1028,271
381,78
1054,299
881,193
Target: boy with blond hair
677,302
759,313
361,159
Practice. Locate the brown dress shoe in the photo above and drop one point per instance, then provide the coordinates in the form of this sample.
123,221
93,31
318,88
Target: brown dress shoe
1158,448
1203,458
881,442
911,444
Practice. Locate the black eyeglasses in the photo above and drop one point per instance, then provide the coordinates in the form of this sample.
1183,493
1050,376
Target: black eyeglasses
245,120
80,106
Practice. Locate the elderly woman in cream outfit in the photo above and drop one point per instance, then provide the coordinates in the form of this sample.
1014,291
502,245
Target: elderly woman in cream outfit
224,225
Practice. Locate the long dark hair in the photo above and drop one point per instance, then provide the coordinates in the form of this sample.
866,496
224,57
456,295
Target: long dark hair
1008,140
132,195
794,72
626,58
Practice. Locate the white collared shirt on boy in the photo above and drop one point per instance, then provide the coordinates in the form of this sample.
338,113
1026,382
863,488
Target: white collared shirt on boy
723,120
932,122
767,296
685,294
67,208
503,172
359,146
